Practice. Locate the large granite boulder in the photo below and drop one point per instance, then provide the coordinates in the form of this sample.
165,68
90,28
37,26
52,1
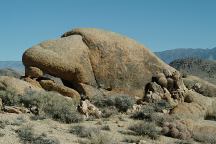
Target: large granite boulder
97,58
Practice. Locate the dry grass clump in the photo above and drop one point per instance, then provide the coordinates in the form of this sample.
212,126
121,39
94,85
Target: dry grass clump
95,135
204,138
2,124
27,135
85,132
206,89
10,98
146,129
176,130
152,113
106,128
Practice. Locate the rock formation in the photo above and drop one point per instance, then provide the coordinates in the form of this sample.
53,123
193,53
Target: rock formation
167,86
97,58
19,86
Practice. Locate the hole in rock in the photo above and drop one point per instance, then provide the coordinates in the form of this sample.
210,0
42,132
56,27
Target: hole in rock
211,117
75,86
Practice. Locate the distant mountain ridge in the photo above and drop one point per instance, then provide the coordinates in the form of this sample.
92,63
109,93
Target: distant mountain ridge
171,55
205,69
16,65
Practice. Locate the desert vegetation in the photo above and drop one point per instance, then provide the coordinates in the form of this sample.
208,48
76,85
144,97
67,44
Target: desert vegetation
27,135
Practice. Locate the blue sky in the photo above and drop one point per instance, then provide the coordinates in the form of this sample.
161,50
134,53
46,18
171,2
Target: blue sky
158,24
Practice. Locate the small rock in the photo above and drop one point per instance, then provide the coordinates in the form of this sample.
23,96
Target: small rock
33,72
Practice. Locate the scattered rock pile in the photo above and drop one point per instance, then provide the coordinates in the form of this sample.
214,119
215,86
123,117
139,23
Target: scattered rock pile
86,108
168,86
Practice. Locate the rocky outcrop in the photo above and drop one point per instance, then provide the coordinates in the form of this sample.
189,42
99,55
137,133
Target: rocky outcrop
96,58
168,86
19,86
9,72
50,85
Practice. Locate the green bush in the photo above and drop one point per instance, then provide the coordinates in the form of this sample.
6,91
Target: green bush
53,105
121,102
108,112
49,104
150,113
10,97
26,133
106,128
145,113
146,129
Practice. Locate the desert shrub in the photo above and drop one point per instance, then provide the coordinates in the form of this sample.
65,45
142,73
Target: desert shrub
161,105
94,135
184,142
144,114
83,131
18,121
108,112
176,130
103,101
160,118
42,139
146,129
53,105
2,124
2,134
204,137
27,135
150,113
206,89
101,138
50,104
131,140
106,127
10,97
121,102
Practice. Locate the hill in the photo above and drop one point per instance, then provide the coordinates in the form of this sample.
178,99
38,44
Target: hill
171,55
205,69
16,65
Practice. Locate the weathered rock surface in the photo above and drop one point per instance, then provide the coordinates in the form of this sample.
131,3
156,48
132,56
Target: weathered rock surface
97,58
88,109
9,72
168,86
49,85
19,86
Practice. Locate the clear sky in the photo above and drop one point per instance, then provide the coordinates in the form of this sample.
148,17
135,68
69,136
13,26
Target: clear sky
158,24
